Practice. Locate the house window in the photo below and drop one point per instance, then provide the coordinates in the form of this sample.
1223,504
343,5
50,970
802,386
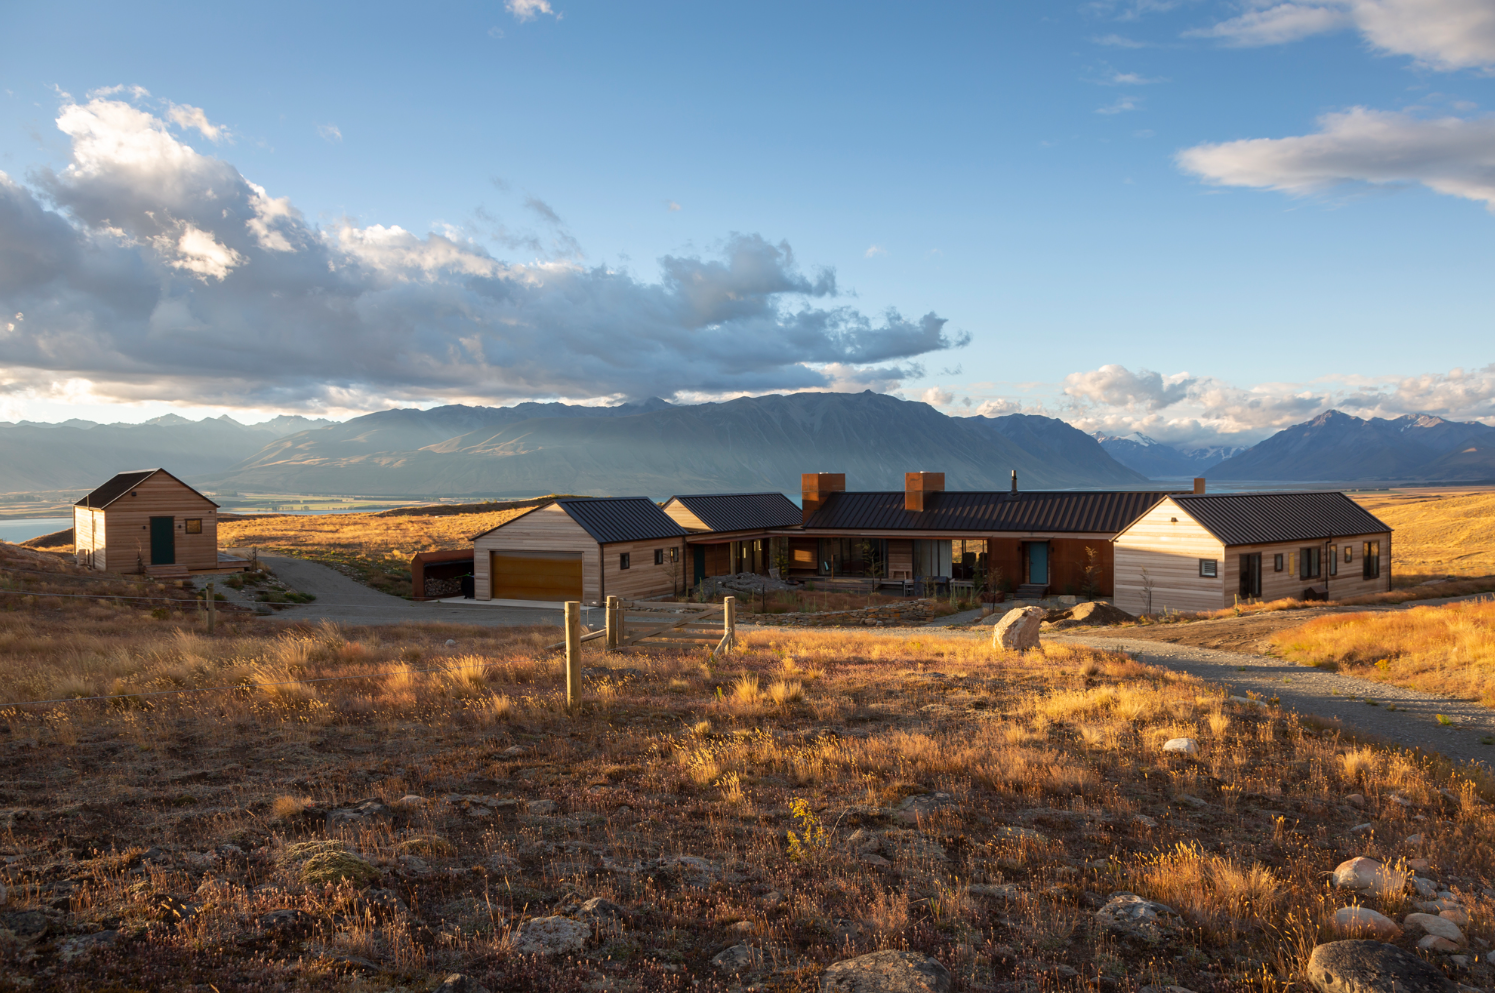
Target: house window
194,525
1370,560
623,562
674,555
1309,562
1209,568
1349,554
1277,562
659,556
1333,561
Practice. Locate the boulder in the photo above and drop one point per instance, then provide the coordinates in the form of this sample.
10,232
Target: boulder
602,908
887,972
1437,927
738,959
1017,631
1362,966
1363,920
550,936
458,983
1367,875
1181,746
1130,916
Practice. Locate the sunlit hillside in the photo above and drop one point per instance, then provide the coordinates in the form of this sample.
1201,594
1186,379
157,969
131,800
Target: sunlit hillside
1438,534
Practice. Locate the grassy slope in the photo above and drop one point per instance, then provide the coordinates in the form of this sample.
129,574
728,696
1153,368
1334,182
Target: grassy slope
1436,535
669,756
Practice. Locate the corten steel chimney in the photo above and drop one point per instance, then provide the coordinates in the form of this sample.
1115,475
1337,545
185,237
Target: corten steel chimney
1198,484
918,485
1014,482
816,487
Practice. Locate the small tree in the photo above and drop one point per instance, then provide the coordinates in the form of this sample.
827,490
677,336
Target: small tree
1147,592
1090,584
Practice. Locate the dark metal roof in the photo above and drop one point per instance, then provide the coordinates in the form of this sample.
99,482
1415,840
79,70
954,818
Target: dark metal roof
610,519
741,511
123,483
1034,510
1264,518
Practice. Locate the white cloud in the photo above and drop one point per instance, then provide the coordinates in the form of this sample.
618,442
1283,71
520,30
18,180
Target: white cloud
1120,41
937,396
873,251
1442,34
528,10
329,132
151,271
1451,155
1120,106
1115,78
185,115
671,205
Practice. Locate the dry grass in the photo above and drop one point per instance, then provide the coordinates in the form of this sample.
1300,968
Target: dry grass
1438,534
194,827
1448,650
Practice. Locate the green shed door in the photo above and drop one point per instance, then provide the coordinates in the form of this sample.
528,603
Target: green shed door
699,560
163,541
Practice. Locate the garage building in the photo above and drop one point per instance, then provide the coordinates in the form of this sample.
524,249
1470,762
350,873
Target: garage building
581,548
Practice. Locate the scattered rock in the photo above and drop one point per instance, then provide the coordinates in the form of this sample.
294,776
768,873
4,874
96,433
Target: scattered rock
772,899
1363,966
1019,834
285,922
458,983
1144,821
737,959
1189,800
923,804
514,751
1414,839
601,909
888,971
542,807
1017,631
1002,891
25,923
1363,920
85,944
550,936
409,802
1426,888
1458,915
1355,800
1366,828
1131,916
357,815
1181,746
1367,875
1436,927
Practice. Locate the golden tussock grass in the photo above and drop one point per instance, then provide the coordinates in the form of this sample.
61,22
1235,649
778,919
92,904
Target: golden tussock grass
1448,649
1438,534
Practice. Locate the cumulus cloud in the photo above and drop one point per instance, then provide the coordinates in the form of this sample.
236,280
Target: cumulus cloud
184,115
149,270
528,10
1118,106
330,132
1201,411
937,396
1451,155
873,251
1441,34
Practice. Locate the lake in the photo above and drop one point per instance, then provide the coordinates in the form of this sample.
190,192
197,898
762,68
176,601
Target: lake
26,528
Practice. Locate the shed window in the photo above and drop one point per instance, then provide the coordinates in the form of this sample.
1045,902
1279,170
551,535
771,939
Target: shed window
1209,568
1370,560
659,556
1309,562
194,525
1277,562
623,562
1349,551
674,555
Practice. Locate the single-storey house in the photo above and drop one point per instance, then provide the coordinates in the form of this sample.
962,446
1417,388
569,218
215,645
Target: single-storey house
1046,541
729,531
581,548
1201,551
147,521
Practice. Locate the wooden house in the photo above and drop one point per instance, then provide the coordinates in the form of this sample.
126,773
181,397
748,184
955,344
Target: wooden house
585,549
728,531
147,522
1202,552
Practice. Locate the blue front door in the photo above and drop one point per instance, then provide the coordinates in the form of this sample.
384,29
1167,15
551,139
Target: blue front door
1038,563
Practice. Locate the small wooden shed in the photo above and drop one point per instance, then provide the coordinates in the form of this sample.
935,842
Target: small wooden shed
1202,552
147,521
580,548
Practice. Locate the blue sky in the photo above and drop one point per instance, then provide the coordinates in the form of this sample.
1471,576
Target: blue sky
1202,221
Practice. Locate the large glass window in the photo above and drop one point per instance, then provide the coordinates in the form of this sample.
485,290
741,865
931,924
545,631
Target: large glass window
1309,565
968,559
853,557
1370,560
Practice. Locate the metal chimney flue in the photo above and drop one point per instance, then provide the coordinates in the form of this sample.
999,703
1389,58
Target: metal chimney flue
1014,482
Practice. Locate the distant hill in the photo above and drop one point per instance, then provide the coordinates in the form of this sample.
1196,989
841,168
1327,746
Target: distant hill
80,454
1336,446
1158,460
657,449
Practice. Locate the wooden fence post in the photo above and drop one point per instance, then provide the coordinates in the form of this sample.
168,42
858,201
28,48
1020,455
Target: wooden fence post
729,621
573,653
611,615
212,610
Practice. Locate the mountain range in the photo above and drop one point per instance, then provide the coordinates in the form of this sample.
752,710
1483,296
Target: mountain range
657,449
1158,460
1335,446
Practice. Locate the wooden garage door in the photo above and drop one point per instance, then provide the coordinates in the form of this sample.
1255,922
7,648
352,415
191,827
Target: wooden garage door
536,575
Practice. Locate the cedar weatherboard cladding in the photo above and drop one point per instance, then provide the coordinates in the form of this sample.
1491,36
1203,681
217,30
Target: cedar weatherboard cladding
742,511
1266,518
613,519
115,488
1078,511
